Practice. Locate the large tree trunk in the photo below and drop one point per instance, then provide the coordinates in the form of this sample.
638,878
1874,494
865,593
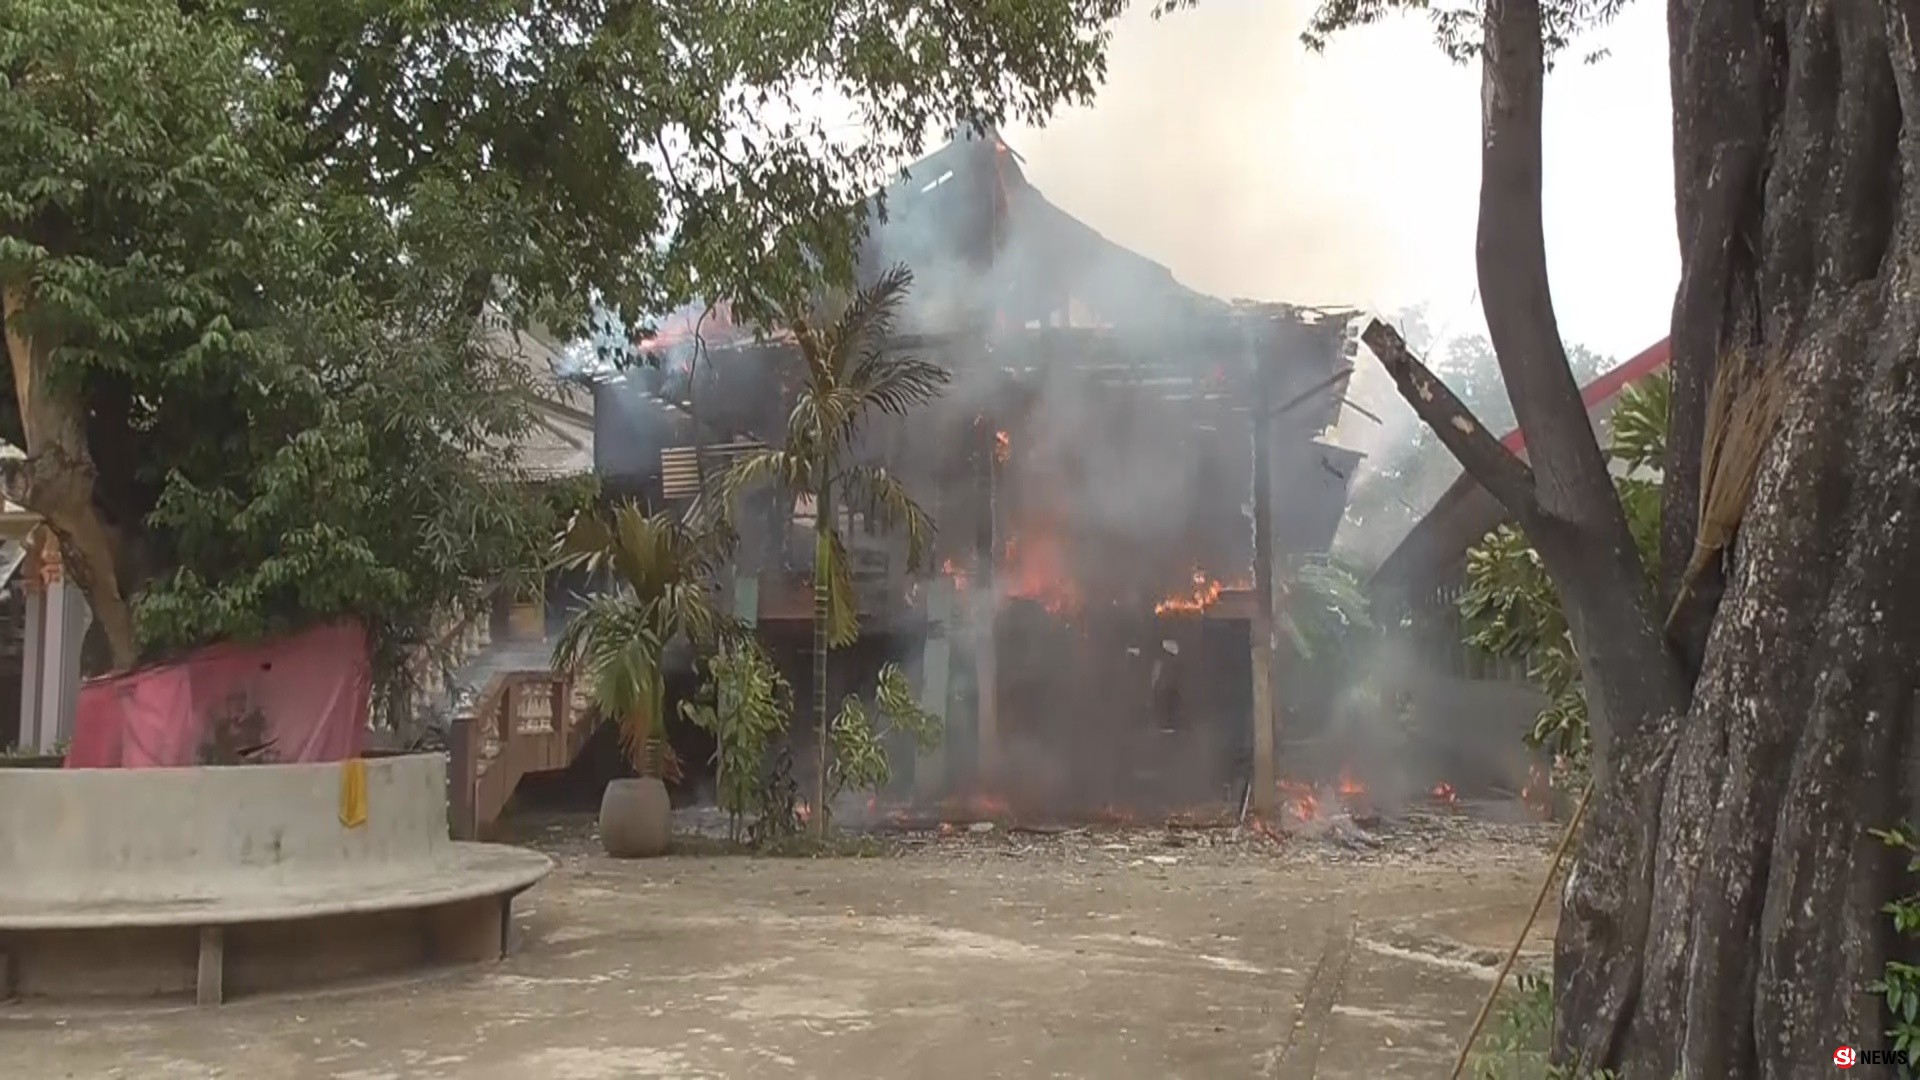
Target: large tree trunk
1723,917
1795,129
56,480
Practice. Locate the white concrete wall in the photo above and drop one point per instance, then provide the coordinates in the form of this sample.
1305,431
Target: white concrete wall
123,825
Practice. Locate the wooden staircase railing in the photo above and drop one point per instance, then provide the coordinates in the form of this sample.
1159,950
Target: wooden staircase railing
524,722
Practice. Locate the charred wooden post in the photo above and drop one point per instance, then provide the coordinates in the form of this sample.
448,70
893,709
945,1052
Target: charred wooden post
1260,631
463,775
985,609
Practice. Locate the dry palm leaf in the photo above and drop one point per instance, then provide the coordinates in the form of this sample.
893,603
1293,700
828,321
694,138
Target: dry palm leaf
1742,410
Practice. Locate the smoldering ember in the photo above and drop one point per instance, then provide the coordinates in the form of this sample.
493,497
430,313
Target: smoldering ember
577,541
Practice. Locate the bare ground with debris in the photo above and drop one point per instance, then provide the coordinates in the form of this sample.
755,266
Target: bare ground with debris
1090,953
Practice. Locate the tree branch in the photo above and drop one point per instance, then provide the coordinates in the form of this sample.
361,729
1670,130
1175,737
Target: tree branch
1503,474
1571,478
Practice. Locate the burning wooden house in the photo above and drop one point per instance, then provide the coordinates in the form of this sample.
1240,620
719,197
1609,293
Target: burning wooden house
1087,626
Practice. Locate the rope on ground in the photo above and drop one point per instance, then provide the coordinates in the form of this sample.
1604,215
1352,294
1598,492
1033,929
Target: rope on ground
1553,871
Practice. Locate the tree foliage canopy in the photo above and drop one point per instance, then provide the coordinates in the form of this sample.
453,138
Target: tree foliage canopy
245,248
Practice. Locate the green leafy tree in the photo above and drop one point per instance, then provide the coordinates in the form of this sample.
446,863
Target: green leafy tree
136,194
663,573
745,707
246,249
1509,607
850,375
858,761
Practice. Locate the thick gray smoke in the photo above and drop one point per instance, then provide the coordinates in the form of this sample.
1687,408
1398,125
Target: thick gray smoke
1105,392
1121,471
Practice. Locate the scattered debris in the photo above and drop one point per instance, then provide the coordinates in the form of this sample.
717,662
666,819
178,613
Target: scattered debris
1337,834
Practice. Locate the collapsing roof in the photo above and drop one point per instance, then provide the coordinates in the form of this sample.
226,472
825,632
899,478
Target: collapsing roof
990,252
998,255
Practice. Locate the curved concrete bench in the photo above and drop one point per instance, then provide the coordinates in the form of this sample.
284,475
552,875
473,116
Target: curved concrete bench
121,882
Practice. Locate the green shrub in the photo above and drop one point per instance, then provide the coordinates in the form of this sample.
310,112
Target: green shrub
745,707
1900,986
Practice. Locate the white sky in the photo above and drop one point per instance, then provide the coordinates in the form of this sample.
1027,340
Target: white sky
1221,147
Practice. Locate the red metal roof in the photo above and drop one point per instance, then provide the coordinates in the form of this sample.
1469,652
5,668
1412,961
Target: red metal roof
1466,512
1608,386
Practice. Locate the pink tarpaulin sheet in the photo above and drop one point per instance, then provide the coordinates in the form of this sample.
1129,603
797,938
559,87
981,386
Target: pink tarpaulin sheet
310,690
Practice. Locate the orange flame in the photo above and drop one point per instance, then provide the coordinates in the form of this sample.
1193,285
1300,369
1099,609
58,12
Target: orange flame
1443,793
1351,788
1300,800
1037,570
962,580
979,806
1204,594
1537,793
1002,447
803,812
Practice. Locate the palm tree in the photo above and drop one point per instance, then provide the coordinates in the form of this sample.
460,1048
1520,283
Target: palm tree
850,375
663,570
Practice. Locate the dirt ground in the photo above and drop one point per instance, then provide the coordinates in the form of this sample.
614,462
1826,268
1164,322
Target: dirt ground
1095,954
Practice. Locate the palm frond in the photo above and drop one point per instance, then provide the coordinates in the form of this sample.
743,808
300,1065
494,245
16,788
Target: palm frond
1639,423
868,319
642,549
664,569
710,533
584,543
781,468
612,648
823,419
895,383
843,608
885,501
815,349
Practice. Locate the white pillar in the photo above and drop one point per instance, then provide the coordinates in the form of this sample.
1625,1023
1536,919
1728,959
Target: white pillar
65,623
32,665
